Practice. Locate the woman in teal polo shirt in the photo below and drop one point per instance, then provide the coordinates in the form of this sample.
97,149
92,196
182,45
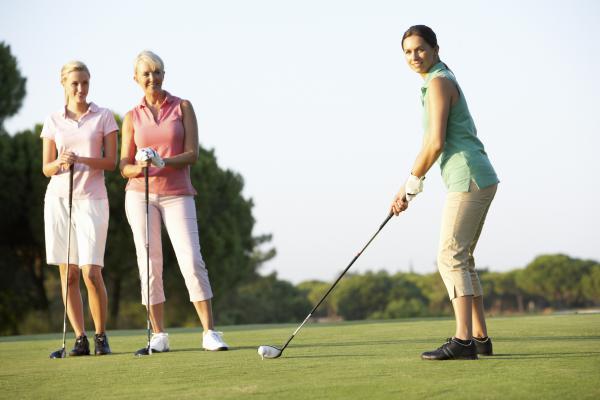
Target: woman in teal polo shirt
451,139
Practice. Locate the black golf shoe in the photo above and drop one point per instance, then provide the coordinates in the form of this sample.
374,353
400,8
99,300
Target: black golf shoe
82,347
483,346
452,350
101,346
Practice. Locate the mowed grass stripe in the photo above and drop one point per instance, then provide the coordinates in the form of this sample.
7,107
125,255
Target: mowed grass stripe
537,357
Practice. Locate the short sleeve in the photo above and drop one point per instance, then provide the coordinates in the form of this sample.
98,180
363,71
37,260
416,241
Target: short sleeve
49,129
109,123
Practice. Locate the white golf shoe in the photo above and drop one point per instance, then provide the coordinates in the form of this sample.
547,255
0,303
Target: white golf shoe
159,342
213,341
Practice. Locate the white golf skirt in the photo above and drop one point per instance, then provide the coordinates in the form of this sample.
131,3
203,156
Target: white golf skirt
89,225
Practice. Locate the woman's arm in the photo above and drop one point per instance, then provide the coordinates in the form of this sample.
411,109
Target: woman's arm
190,141
442,94
127,165
109,161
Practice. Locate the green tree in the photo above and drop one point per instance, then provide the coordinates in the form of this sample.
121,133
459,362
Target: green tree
266,300
22,234
501,292
314,291
555,279
359,296
405,298
12,85
590,285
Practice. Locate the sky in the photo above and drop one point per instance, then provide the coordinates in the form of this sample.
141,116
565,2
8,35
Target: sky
313,104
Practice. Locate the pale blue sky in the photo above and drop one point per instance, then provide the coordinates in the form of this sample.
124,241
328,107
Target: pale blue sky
312,102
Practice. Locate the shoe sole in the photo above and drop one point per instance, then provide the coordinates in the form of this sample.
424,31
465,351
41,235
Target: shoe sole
450,359
217,349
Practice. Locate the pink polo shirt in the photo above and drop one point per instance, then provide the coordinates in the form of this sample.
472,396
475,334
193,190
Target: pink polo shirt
166,136
86,139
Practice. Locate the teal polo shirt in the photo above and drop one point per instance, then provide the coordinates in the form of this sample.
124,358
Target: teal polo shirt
463,159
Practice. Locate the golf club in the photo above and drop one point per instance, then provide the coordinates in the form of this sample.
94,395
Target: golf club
62,352
266,351
147,351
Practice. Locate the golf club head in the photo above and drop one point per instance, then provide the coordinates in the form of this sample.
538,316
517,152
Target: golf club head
145,351
269,352
61,353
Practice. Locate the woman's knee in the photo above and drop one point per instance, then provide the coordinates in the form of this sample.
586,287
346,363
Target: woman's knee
73,275
92,275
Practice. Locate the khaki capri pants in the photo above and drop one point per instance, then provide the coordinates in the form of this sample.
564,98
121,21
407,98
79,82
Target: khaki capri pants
462,221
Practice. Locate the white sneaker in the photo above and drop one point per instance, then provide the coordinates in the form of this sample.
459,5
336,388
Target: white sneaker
159,342
212,341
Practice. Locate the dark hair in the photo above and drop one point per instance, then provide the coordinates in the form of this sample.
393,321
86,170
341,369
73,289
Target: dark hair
423,31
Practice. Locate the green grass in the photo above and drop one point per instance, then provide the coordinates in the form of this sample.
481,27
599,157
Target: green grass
542,357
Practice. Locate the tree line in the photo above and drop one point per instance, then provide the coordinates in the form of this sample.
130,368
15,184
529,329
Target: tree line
549,282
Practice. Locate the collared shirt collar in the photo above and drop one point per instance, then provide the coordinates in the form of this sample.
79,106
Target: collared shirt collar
92,108
168,99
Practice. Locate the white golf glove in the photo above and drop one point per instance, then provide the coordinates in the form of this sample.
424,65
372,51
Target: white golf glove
413,187
148,153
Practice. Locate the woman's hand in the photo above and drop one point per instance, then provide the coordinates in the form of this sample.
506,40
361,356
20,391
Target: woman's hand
400,203
66,158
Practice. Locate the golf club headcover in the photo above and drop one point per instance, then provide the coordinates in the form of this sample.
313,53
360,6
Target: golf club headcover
413,186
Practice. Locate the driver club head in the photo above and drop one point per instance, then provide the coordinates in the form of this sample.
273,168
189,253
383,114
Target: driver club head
61,353
269,352
145,351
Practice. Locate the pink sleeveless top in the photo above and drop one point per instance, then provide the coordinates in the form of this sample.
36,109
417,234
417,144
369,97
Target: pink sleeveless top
166,136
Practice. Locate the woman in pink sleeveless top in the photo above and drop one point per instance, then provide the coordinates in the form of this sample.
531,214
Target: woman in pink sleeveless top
85,136
164,128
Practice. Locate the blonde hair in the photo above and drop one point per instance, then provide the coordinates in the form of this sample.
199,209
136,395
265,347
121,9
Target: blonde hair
69,67
72,66
149,58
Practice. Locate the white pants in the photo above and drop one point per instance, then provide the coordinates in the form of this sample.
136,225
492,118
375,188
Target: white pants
89,224
179,216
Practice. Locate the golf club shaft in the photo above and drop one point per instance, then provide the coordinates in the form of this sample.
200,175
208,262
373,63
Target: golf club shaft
390,215
147,196
64,338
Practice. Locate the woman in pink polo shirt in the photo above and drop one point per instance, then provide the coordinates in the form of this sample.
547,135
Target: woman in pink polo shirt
85,135
164,128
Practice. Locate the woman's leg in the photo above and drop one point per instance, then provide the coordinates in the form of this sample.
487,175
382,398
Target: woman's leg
204,311
97,297
75,304
478,317
180,220
462,313
463,219
157,317
135,209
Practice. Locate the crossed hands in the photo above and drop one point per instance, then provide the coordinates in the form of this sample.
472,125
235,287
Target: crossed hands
148,155
66,159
